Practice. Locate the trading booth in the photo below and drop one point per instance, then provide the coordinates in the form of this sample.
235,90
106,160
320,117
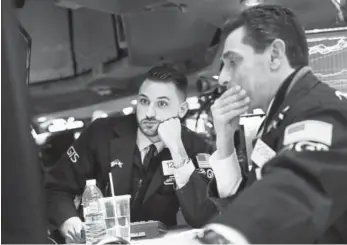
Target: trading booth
59,76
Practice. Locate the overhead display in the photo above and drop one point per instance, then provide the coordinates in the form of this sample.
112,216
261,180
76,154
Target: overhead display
328,56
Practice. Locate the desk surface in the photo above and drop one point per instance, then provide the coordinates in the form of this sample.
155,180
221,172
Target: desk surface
170,237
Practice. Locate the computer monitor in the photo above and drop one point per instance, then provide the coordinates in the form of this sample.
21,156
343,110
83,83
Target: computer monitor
328,56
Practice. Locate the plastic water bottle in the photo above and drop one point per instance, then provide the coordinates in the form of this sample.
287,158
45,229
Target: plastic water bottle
95,228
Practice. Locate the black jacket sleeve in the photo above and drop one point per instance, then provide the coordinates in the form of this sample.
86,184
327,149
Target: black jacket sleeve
66,179
197,208
302,191
194,201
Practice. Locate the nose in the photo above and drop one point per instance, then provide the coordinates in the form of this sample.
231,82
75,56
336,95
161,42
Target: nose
224,77
151,111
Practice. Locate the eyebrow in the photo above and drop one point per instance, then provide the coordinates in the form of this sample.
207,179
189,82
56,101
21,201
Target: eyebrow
160,97
163,97
230,54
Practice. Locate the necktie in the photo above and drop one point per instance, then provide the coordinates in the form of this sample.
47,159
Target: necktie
152,152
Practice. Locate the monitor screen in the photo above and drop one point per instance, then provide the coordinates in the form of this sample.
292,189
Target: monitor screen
328,56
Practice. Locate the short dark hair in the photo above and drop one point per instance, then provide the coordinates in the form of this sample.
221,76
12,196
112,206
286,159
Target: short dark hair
168,74
265,23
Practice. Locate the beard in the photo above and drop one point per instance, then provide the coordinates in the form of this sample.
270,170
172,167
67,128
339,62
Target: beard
149,127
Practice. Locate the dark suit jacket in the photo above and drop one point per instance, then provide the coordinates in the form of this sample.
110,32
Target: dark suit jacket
302,196
115,138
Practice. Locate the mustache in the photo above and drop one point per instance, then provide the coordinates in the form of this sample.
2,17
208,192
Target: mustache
150,119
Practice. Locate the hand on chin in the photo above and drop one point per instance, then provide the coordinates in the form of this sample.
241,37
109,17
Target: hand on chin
169,132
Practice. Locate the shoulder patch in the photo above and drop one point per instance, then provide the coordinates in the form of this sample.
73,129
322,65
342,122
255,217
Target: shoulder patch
72,154
204,165
203,160
308,146
309,130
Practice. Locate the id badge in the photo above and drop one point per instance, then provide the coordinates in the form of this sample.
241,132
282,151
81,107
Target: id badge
262,153
168,172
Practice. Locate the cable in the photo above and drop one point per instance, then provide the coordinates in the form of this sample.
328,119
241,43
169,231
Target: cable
203,107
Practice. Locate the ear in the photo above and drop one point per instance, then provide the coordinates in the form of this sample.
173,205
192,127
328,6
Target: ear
183,109
277,51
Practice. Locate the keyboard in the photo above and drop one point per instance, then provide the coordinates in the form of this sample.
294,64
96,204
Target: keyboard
146,229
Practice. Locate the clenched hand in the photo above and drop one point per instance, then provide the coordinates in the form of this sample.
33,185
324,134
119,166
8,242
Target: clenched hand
71,230
226,113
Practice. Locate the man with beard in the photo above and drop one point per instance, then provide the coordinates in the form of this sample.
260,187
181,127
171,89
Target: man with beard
151,156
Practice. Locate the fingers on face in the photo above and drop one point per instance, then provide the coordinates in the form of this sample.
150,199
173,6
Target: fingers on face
234,113
172,120
231,91
231,104
233,96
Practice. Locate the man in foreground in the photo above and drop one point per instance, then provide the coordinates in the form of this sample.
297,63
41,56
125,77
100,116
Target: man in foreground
296,189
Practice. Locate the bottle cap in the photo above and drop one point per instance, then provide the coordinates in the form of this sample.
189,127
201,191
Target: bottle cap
91,182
